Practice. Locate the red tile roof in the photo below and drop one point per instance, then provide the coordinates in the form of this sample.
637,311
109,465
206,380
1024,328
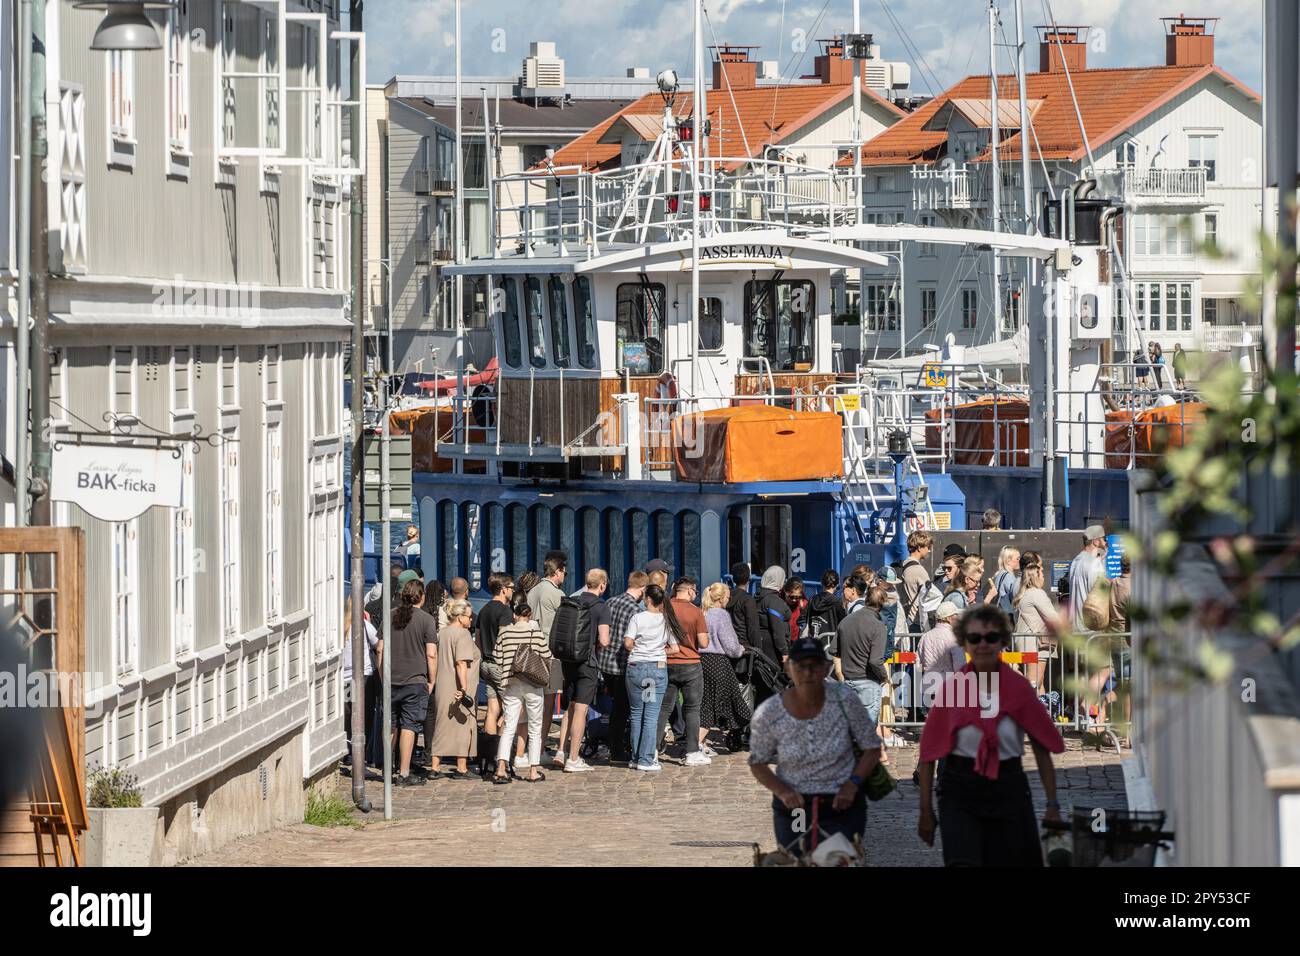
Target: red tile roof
1110,100
767,115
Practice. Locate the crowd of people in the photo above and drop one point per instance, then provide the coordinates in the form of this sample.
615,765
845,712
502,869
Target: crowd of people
804,683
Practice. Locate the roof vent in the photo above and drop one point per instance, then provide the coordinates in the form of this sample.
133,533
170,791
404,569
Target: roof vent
1189,41
732,67
543,71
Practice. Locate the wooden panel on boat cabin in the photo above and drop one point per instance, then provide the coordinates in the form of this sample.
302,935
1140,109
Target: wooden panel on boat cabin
581,404
808,386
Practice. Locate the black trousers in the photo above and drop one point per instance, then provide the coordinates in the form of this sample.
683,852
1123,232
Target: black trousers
374,687
620,749
987,822
689,679
791,826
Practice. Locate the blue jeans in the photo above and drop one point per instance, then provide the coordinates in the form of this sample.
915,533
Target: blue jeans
646,683
868,692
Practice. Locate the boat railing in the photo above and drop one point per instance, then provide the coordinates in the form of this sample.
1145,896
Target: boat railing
575,210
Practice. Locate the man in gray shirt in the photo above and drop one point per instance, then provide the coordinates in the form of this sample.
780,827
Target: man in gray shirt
1088,565
858,646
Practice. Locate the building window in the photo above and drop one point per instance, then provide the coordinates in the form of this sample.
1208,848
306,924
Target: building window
125,606
123,380
475,166
926,248
1210,311
1126,154
274,522
639,328
182,379
426,297
1212,230
559,321
230,532
881,308
584,322
1158,234
710,310
229,376
178,77
929,307
1203,153
780,322
536,322
1119,310
1011,310
183,560
507,297
1185,306
121,95
969,308
271,374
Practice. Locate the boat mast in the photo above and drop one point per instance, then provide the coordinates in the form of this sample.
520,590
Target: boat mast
697,118
996,171
1026,193
862,194
459,229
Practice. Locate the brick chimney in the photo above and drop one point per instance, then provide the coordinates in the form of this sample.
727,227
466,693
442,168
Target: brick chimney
831,67
732,66
1189,41
1062,46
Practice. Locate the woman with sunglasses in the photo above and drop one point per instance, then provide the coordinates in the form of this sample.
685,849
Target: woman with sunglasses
811,732
976,726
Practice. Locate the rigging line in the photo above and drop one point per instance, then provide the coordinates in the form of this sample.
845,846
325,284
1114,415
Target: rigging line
795,58
1047,8
923,66
726,78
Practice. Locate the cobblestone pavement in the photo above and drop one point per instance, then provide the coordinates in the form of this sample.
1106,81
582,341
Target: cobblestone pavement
613,816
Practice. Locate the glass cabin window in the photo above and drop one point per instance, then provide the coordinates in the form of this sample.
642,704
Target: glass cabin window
559,321
508,309
536,327
710,323
584,319
640,328
780,322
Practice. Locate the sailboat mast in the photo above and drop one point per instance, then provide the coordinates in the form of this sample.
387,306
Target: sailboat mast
996,172
459,228
1025,189
697,118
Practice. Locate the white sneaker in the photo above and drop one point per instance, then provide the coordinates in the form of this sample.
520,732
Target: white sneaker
697,759
648,768
558,760
707,750
577,766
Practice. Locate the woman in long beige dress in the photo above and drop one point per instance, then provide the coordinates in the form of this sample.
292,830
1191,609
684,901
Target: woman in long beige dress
455,693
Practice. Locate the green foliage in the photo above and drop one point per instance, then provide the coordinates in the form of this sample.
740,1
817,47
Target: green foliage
328,810
113,788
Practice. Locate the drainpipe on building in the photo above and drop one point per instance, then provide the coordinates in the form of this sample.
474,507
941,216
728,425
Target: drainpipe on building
40,276
21,341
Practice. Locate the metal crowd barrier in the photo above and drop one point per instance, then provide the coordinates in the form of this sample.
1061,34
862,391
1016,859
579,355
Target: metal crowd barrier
1085,681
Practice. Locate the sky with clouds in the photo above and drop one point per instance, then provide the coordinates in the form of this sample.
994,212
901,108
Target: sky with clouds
942,39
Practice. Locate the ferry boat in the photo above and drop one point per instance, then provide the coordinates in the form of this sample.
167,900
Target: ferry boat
665,382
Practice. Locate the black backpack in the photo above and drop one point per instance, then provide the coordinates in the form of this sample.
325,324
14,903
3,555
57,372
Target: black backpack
571,631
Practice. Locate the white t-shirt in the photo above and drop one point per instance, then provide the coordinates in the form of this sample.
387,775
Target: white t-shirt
649,631
1011,740
1085,569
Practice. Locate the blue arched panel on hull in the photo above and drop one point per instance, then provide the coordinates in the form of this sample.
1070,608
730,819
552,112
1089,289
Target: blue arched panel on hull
1095,494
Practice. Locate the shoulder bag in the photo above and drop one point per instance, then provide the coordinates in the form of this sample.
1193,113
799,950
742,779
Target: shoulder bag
881,783
530,667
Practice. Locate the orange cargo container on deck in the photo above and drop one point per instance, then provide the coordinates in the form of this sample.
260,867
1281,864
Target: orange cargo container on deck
984,432
1140,440
758,443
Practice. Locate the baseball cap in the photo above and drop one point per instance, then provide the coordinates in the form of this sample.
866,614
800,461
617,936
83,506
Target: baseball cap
954,550
658,564
807,647
1094,531
888,575
946,610
407,575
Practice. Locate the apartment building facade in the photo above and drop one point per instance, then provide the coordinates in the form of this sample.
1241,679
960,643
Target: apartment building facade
1178,145
199,199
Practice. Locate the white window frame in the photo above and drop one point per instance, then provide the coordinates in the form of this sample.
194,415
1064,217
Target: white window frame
1126,153
116,354
177,89
1196,140
119,108
229,533
228,361
183,561
273,480
126,602
932,292
182,366
227,154
272,376
1211,229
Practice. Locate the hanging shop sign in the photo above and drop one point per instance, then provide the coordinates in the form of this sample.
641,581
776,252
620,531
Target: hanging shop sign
116,482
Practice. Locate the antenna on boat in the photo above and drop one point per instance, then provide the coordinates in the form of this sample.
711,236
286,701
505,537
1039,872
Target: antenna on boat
458,302
698,118
994,167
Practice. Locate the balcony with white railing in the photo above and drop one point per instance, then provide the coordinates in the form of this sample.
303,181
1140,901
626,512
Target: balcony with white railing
943,188
1156,186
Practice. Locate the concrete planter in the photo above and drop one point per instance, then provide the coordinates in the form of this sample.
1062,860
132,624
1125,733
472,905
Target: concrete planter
121,837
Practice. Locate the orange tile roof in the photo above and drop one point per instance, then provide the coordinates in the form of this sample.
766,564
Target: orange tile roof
1110,100
767,115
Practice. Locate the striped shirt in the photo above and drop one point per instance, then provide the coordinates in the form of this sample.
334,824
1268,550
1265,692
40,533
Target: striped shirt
613,659
513,638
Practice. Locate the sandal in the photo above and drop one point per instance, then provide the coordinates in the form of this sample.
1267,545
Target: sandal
537,779
501,781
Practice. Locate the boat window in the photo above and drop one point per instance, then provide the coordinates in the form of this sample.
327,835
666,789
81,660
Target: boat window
780,321
536,328
640,328
584,319
475,302
559,321
506,294
710,323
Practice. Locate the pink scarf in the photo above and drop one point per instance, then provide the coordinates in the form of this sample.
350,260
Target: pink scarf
1015,698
